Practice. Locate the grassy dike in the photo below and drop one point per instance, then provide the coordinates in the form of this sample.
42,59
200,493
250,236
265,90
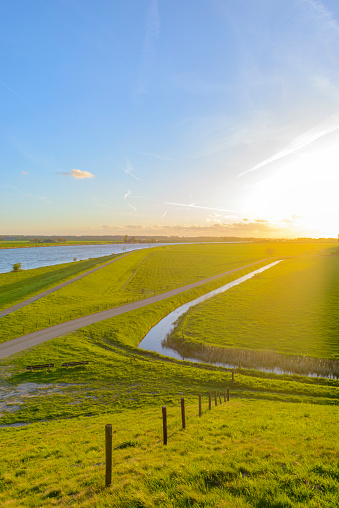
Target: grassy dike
243,453
136,276
18,286
273,445
289,318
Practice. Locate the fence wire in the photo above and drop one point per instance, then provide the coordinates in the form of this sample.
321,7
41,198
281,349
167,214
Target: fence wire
132,459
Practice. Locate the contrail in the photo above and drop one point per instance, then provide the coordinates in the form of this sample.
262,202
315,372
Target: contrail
193,205
127,194
10,89
128,170
321,130
133,207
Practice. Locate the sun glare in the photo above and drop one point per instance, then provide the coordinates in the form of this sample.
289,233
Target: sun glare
302,193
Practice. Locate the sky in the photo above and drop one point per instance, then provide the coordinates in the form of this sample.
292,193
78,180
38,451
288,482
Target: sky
169,117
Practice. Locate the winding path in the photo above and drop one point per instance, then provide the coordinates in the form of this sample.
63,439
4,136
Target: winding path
32,339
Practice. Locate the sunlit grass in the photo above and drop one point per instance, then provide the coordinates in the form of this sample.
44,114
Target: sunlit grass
136,276
15,287
292,308
273,445
242,453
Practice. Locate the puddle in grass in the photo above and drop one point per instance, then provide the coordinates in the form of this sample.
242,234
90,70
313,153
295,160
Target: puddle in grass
11,397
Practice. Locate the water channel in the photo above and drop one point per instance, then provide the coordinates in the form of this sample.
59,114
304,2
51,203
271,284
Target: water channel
154,339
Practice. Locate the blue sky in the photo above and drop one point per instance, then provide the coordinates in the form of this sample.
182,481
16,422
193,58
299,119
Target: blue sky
169,117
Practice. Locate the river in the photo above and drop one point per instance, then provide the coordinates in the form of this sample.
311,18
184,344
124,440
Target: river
36,257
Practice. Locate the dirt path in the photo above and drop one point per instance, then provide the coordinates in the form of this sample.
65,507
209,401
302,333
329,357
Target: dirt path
55,288
32,339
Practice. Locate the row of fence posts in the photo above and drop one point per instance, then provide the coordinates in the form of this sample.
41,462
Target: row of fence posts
109,434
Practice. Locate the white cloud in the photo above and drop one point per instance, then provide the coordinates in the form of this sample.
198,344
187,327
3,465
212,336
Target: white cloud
78,174
24,172
323,15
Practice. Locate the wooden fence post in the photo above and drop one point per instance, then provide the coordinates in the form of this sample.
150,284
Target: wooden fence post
109,458
183,413
224,396
215,398
233,375
209,400
228,394
164,424
200,405
219,397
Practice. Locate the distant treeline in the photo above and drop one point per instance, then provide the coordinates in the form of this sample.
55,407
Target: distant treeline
152,239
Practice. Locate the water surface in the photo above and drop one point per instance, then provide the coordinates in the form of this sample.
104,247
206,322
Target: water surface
36,257
154,338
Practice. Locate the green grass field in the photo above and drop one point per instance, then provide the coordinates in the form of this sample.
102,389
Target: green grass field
293,308
276,432
137,276
234,455
273,445
18,286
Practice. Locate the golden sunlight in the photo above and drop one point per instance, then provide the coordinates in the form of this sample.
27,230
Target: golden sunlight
301,192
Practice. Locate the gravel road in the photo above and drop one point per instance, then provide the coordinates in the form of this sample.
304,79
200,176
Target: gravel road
32,339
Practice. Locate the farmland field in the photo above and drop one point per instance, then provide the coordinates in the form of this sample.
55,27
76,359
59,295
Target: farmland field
292,308
17,286
138,275
233,455
273,445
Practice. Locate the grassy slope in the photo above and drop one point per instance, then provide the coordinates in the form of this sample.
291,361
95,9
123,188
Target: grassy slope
263,449
292,308
258,450
128,278
18,286
137,276
242,453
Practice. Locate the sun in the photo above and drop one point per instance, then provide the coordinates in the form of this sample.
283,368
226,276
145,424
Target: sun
301,191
